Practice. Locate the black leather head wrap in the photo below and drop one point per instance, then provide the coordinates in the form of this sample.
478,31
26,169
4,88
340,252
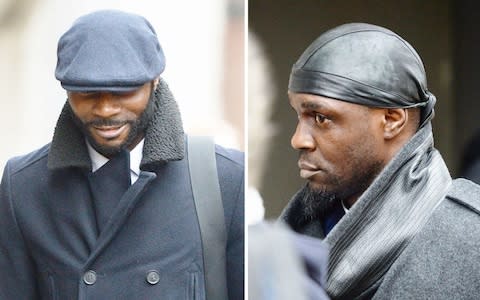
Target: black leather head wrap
364,64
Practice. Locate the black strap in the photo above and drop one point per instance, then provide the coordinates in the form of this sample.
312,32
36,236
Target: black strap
209,207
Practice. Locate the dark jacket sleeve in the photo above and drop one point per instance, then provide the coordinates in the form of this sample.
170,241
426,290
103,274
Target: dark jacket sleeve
235,250
230,165
17,278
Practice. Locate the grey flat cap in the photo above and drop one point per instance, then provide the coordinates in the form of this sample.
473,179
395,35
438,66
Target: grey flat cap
108,50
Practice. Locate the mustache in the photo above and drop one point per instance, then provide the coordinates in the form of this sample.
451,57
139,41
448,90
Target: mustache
307,159
99,122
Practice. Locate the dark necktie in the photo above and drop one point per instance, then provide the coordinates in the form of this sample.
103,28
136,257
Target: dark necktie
108,184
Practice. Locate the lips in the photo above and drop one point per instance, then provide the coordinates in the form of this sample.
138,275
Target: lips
109,132
307,170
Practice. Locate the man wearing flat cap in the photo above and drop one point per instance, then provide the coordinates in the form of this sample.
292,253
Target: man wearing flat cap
121,204
377,191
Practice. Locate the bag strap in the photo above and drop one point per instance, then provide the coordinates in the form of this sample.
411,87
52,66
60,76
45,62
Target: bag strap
209,208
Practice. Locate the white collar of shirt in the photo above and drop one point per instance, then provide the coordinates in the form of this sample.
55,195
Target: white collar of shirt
99,160
345,209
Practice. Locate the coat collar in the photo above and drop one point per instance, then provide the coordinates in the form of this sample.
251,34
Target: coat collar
164,138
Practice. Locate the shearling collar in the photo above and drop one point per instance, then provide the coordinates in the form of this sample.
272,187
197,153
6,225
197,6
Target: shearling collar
164,139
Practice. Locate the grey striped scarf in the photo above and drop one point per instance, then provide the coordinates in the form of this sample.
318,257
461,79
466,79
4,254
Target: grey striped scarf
370,237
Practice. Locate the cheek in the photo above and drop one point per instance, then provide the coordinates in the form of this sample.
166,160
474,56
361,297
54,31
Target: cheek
137,107
334,145
347,150
80,109
137,110
363,153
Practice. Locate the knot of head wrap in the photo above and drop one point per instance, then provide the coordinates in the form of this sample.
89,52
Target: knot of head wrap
364,64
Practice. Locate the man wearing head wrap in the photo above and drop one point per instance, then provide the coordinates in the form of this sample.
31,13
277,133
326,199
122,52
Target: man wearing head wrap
377,190
107,209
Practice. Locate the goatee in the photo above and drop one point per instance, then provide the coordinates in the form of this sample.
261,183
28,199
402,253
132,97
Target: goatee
317,203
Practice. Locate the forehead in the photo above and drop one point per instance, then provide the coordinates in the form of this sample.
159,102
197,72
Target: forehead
105,90
305,102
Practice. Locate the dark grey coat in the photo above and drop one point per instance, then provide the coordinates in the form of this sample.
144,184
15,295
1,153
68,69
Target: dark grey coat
49,238
443,260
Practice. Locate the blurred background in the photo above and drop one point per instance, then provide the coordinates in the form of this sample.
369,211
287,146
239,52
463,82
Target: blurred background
444,33
203,43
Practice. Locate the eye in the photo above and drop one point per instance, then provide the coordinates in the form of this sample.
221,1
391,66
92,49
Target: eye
320,119
88,95
123,94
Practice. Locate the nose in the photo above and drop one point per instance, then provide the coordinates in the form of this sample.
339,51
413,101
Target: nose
302,139
106,105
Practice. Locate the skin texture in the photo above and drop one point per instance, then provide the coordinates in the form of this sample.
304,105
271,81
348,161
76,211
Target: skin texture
112,121
343,146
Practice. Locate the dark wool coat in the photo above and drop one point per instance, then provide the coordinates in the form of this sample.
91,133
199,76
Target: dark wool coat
443,259
151,247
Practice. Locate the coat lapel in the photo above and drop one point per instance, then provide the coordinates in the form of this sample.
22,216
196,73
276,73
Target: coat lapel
121,212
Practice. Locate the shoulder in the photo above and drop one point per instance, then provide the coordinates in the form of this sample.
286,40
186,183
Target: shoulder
455,223
230,168
443,259
230,157
226,159
456,216
28,161
466,194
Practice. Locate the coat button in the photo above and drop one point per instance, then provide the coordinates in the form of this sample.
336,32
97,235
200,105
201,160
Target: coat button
90,277
153,277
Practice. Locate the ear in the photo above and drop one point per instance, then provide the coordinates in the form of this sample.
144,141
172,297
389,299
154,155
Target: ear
155,82
69,96
395,120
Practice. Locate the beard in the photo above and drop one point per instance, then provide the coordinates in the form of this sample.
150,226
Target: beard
317,203
320,202
137,128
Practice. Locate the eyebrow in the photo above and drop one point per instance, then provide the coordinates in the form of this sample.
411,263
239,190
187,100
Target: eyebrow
86,93
312,105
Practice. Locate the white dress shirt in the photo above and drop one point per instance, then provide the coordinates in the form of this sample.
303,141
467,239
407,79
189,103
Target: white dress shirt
345,209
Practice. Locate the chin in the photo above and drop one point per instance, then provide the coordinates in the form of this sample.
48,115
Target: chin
317,187
107,149
116,142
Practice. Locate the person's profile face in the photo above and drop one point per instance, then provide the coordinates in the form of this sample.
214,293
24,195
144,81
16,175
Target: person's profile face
338,143
110,120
